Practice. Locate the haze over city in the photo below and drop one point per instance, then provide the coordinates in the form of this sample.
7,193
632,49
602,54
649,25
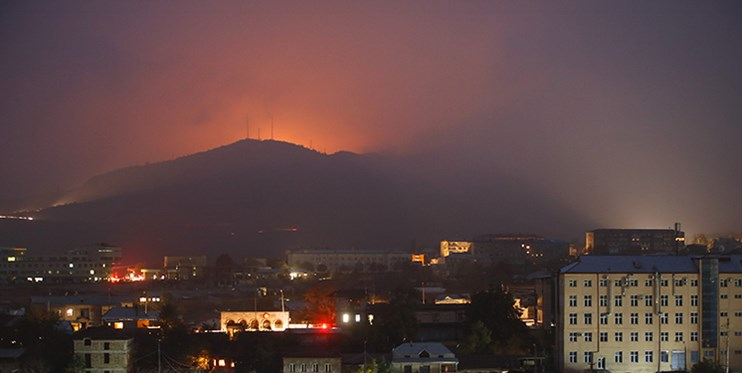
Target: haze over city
563,116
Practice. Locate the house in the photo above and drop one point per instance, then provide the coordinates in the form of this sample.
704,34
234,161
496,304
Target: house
415,357
130,318
10,359
104,350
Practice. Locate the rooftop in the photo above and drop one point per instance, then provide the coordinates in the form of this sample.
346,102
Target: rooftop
649,264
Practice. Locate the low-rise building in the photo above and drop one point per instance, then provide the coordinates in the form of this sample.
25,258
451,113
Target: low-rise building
417,357
104,350
185,267
233,322
80,311
312,360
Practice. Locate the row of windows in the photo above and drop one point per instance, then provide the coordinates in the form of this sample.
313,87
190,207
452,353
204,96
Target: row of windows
634,318
633,336
649,282
634,282
634,300
618,357
315,367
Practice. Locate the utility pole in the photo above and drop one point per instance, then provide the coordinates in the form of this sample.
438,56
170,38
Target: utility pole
159,357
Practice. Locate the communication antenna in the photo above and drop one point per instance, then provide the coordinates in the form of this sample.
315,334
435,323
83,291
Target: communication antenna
258,133
247,128
271,127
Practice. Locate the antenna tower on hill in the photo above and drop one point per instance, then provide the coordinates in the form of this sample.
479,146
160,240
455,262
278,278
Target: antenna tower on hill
247,128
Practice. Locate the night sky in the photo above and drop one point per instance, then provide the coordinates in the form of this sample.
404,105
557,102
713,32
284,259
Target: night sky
628,112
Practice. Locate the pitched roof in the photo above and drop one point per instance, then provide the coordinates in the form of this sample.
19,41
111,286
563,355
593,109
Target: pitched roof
129,313
414,349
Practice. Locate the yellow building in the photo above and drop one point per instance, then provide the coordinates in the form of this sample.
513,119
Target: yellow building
649,313
233,322
456,247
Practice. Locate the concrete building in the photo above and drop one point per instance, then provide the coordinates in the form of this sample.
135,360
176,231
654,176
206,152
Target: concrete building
517,249
104,350
80,311
414,357
333,261
633,241
312,360
185,267
86,264
649,313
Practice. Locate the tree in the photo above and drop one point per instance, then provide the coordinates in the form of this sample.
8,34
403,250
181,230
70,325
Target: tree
495,309
478,338
48,349
707,366
76,365
394,322
320,303
169,317
375,367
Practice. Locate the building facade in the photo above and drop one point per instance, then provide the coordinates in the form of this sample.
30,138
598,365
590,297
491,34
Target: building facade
417,357
86,264
185,267
333,261
649,313
254,321
104,350
314,363
633,241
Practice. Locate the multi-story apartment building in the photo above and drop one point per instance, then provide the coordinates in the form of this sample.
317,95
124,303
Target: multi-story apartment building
634,241
515,249
85,264
649,313
326,260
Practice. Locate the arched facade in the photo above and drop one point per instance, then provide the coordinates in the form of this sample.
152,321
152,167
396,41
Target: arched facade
254,321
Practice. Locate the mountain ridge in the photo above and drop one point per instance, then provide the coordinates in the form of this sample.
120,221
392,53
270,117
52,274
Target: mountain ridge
259,198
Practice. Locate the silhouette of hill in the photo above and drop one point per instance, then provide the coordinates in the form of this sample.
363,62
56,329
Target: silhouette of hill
262,197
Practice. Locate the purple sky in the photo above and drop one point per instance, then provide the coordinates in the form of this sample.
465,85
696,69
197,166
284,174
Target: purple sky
629,112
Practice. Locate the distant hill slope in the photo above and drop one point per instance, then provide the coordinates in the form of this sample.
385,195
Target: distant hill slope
241,193
262,197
